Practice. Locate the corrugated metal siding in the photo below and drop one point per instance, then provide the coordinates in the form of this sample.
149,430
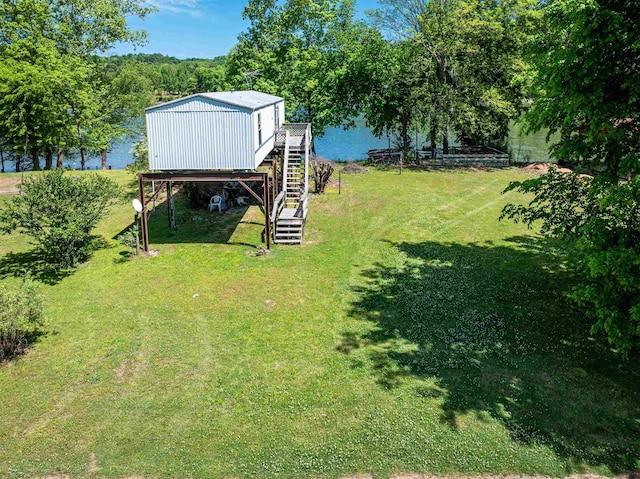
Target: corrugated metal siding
268,131
197,103
200,134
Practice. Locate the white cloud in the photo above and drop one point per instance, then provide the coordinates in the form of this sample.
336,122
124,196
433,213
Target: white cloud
189,7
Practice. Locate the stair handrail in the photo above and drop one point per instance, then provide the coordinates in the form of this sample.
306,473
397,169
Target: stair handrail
285,165
304,200
307,144
278,204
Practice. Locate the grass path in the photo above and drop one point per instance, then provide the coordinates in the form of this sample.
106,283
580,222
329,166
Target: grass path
411,332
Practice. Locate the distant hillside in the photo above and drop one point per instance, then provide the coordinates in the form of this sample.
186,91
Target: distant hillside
171,77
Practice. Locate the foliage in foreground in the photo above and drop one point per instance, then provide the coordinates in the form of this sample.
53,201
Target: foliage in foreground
59,212
603,221
20,316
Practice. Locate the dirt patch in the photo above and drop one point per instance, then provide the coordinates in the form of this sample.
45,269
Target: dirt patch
628,475
354,169
543,168
269,305
121,370
93,463
9,186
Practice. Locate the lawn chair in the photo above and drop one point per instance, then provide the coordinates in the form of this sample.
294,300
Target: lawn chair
215,202
242,201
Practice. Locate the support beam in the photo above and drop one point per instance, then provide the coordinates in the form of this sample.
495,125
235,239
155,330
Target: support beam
170,206
167,178
143,215
251,192
267,220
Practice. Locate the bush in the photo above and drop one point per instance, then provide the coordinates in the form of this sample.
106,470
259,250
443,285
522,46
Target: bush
20,317
140,152
601,220
59,212
321,173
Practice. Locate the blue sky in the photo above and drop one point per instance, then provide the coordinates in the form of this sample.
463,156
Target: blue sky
197,28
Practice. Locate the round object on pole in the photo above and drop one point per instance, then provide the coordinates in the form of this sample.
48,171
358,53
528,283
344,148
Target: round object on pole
137,205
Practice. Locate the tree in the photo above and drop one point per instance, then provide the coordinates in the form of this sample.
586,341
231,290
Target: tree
588,83
59,212
472,55
46,70
588,89
393,100
295,50
20,316
120,96
36,96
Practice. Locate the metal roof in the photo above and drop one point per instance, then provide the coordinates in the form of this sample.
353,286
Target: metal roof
248,99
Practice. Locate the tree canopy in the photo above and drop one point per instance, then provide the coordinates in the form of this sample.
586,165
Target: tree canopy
587,89
53,96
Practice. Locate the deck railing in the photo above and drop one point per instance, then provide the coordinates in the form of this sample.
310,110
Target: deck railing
278,206
285,164
307,145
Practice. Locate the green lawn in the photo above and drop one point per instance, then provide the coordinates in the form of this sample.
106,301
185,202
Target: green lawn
412,332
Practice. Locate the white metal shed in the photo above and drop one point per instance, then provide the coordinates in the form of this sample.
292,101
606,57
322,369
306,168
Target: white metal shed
213,131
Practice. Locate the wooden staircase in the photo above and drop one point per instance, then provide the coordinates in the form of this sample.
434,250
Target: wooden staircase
290,207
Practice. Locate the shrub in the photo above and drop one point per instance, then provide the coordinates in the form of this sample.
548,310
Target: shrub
59,212
601,220
140,152
128,237
321,173
20,317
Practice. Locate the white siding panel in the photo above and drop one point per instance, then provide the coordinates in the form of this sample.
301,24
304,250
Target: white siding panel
268,131
195,138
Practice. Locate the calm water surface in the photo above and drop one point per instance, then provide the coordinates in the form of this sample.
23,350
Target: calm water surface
344,145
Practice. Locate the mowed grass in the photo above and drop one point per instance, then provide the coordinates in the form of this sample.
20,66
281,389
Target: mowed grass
411,332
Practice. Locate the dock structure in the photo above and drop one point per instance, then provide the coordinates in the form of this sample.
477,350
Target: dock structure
290,206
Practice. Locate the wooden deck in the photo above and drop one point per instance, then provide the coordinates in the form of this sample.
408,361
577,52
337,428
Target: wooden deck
289,214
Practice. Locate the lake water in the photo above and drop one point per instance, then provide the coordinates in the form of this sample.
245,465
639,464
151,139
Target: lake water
343,145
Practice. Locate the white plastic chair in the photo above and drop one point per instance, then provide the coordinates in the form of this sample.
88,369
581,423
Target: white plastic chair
215,202
242,200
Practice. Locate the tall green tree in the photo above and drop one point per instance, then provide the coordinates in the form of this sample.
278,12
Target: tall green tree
296,50
36,96
588,87
120,96
397,76
472,53
46,69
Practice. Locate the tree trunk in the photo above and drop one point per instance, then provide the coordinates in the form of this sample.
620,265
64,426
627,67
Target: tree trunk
35,156
404,132
18,163
82,159
48,161
445,143
2,160
433,135
103,157
60,162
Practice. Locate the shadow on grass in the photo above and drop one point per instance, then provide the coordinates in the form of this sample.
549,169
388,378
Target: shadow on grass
199,225
39,266
31,262
489,331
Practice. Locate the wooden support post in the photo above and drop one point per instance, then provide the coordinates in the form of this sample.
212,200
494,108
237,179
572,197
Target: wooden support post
170,208
267,219
274,174
143,216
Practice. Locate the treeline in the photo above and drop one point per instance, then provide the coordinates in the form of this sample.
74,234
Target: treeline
170,76
56,95
452,66
433,66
